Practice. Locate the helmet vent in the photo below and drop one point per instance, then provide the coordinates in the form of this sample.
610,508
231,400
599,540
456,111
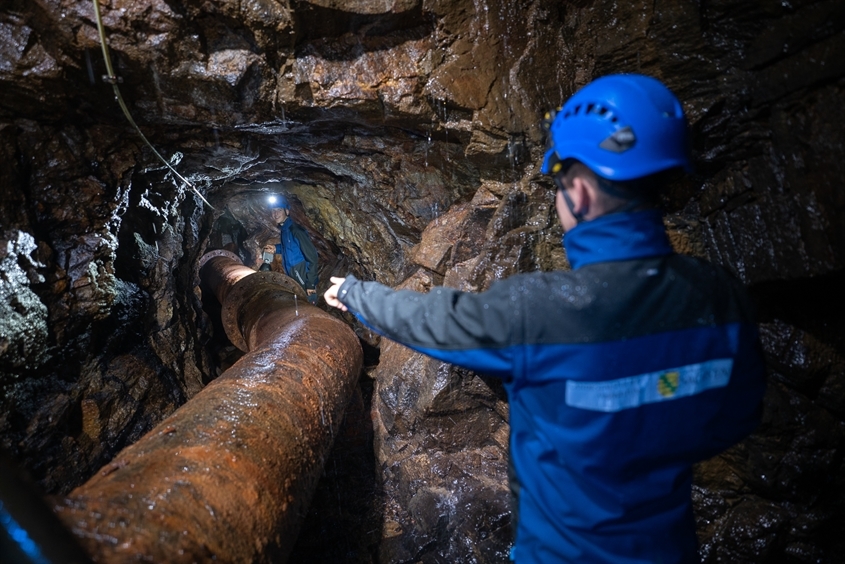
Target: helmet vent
619,141
601,111
591,108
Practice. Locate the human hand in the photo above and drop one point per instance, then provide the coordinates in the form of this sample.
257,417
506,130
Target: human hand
331,294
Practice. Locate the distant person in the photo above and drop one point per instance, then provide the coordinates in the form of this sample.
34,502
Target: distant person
621,373
298,252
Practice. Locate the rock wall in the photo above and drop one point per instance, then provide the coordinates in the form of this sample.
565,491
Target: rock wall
90,358
406,133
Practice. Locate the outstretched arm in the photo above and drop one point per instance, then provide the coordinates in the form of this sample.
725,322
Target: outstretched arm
472,330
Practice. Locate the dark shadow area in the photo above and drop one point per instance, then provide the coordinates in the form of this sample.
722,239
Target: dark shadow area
813,304
345,517
30,533
316,22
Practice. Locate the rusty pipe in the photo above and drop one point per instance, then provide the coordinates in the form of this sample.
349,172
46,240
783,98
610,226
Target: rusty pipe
225,271
229,475
224,274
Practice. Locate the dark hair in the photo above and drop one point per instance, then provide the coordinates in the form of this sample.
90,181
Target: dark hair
645,190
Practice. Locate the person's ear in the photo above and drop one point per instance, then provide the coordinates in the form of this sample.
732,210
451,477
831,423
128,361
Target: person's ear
581,195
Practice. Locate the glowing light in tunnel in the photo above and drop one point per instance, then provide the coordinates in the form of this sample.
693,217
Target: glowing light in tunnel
272,199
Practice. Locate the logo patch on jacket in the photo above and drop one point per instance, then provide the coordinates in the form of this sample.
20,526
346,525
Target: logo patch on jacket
653,387
667,384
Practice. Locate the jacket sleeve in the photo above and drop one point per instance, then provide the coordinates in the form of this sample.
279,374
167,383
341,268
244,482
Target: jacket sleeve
467,329
310,254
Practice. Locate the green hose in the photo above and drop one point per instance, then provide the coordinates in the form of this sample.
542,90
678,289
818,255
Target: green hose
112,79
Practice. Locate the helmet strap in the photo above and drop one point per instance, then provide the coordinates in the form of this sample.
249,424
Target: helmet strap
560,185
579,217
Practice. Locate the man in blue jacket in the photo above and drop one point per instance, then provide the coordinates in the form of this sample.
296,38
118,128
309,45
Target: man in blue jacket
621,373
297,250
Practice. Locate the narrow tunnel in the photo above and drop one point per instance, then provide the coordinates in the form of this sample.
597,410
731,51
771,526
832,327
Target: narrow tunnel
405,135
258,434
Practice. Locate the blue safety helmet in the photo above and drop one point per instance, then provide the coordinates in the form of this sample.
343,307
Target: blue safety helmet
621,126
277,201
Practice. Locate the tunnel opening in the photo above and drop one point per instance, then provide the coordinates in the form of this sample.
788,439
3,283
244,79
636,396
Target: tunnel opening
347,505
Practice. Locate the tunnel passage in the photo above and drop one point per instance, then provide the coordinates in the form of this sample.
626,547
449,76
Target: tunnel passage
229,475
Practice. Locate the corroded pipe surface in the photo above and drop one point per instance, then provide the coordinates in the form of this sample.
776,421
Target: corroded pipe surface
229,476
226,276
225,270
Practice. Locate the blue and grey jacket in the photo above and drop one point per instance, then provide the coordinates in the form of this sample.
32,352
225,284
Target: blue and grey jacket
298,253
620,374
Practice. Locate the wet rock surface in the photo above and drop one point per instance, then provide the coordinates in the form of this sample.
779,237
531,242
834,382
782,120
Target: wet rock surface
405,134
441,443
783,496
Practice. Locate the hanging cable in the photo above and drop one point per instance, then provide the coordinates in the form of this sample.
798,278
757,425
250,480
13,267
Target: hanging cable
112,79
